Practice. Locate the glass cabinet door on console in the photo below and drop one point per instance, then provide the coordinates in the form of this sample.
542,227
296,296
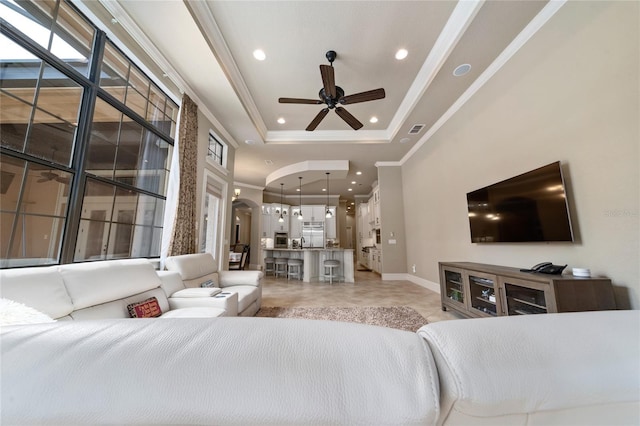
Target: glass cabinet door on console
527,297
483,294
453,284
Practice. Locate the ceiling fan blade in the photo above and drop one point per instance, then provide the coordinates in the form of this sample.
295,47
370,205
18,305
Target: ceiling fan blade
318,118
370,95
62,179
44,179
299,101
348,118
328,79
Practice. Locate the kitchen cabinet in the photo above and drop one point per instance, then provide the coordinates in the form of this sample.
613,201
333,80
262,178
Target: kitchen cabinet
266,224
375,261
313,213
330,227
295,224
276,225
479,290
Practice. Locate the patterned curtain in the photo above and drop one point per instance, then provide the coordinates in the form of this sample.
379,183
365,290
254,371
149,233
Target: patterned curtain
183,239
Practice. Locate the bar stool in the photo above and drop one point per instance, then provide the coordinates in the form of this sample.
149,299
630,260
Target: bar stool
330,269
280,266
269,266
295,268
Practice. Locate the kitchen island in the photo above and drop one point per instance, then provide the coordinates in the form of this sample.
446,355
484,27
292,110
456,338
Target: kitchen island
313,259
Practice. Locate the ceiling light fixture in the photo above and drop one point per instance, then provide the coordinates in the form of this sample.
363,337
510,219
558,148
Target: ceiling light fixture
281,120
373,120
328,212
259,54
300,189
281,219
358,173
401,54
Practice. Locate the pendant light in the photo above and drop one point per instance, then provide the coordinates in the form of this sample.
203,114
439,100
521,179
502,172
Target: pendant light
281,219
328,212
300,213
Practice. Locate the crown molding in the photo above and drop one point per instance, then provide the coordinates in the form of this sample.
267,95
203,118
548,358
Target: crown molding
521,39
204,19
335,136
454,29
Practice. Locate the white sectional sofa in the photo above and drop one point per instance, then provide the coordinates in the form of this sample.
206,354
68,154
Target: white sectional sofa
193,368
556,369
100,290
200,267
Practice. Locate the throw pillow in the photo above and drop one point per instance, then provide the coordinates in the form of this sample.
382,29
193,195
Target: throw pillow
149,308
14,313
208,283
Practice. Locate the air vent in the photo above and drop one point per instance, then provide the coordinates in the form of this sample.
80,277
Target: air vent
416,129
268,162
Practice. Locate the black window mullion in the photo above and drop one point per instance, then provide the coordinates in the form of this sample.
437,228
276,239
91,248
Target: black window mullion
80,152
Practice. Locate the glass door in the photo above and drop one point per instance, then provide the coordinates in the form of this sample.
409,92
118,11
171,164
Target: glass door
527,297
454,286
483,294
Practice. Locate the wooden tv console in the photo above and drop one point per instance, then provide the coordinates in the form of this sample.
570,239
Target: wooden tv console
480,290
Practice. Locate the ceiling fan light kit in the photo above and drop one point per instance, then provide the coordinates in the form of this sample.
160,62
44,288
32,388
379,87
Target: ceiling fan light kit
333,96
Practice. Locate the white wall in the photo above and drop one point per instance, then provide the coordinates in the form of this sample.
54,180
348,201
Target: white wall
571,94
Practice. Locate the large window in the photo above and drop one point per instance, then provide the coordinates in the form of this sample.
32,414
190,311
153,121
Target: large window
86,142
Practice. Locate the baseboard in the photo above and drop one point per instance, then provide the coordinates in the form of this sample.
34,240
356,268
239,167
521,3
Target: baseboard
430,285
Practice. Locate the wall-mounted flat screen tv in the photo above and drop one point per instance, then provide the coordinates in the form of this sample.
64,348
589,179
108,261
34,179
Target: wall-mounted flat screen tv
530,207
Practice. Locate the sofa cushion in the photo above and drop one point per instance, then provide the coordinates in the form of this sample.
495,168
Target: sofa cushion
514,366
94,283
225,371
13,313
194,269
197,312
118,308
41,288
197,292
146,309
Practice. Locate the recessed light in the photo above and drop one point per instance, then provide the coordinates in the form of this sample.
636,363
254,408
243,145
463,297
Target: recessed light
404,140
349,189
281,120
461,70
353,203
401,54
373,120
298,189
358,173
249,142
259,55
324,189
353,182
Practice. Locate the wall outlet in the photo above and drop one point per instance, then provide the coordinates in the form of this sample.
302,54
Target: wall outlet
413,268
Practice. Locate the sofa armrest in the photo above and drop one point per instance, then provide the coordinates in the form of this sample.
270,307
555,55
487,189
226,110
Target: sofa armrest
515,367
170,282
231,278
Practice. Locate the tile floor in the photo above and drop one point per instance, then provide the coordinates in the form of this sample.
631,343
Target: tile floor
368,290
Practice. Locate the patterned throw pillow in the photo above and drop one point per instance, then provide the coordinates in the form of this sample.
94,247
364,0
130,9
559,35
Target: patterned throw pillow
149,308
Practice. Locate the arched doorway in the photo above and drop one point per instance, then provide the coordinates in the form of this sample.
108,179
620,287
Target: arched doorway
245,228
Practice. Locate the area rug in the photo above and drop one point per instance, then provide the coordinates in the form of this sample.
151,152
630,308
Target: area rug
400,317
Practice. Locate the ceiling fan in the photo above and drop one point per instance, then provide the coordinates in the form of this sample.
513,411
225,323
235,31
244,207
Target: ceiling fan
333,96
49,175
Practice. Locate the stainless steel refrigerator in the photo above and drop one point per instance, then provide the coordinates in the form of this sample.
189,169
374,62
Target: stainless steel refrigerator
313,234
